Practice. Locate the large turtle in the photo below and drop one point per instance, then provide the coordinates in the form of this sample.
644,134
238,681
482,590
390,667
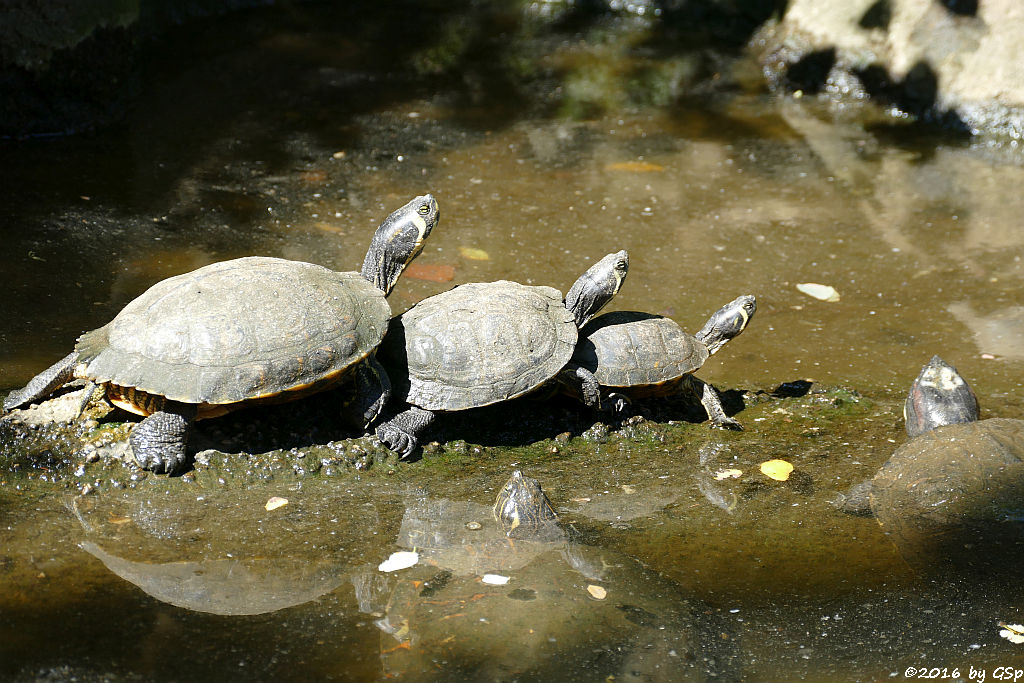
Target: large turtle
481,343
233,333
635,355
958,481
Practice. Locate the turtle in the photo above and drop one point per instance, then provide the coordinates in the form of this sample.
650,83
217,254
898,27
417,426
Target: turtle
249,330
522,509
635,355
957,481
482,343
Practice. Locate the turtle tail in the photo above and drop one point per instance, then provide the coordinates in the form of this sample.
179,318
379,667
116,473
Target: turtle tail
45,383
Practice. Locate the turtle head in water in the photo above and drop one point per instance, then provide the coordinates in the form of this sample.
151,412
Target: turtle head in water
522,509
939,396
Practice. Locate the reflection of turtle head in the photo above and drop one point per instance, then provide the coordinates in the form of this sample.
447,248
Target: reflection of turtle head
522,509
939,396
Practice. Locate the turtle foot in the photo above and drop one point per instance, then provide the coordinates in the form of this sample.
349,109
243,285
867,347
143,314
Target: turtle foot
727,423
397,440
158,442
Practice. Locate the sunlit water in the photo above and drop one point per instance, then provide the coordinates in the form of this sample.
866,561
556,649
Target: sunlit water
291,144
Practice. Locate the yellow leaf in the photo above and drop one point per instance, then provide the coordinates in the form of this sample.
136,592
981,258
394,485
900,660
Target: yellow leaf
778,470
276,502
728,474
474,254
635,167
597,592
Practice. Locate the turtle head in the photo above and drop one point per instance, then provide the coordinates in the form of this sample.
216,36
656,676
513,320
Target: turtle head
522,509
727,322
939,396
399,240
597,286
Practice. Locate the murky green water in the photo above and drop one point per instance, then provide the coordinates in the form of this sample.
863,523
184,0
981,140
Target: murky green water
294,137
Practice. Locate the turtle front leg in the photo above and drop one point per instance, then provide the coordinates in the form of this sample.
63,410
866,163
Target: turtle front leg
709,398
45,383
371,388
401,433
158,442
581,383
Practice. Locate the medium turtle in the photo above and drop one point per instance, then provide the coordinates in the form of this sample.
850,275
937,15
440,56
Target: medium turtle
233,333
958,481
481,343
635,355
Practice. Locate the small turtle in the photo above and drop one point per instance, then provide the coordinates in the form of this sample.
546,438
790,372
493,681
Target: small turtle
522,509
636,355
233,333
958,480
481,343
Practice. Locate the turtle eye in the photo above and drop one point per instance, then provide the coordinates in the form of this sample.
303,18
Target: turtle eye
424,209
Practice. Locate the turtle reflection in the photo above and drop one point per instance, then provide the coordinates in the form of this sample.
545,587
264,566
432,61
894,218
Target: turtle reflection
491,607
216,555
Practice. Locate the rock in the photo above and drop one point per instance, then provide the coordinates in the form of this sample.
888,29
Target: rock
959,64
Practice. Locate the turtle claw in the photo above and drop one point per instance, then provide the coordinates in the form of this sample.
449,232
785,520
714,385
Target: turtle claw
157,461
397,440
727,423
618,403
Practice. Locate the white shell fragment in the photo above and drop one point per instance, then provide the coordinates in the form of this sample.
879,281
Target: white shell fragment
494,579
275,502
820,292
400,560
1012,632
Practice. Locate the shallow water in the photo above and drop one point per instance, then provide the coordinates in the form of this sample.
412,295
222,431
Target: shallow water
288,140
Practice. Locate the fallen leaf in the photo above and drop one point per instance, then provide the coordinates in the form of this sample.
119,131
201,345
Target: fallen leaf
728,474
276,502
474,254
430,272
328,227
400,560
494,579
313,176
597,592
634,167
779,470
626,488
820,292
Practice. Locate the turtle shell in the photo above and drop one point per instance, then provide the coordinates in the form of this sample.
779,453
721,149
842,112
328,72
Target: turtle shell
955,485
478,344
238,330
634,349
